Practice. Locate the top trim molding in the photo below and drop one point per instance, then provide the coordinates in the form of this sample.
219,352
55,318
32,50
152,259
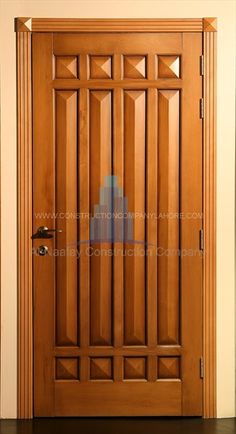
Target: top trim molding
27,24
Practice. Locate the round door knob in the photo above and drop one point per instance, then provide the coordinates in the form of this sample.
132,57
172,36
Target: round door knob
42,250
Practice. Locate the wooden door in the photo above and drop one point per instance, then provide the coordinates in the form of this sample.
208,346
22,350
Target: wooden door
117,301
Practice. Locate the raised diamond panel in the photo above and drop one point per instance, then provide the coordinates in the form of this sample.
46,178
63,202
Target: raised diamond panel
168,367
168,66
101,368
134,67
67,368
66,67
134,368
100,67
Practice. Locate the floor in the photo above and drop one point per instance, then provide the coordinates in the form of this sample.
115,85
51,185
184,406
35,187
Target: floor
119,426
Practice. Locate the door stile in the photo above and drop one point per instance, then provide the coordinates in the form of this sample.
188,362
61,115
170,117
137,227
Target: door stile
191,202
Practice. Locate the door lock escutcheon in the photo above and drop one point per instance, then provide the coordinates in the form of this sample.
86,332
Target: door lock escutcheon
42,250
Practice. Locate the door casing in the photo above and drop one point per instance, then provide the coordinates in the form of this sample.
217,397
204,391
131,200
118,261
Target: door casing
24,28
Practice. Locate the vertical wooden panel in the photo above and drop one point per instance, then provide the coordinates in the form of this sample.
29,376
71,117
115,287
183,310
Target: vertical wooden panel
134,173
43,213
25,307
209,207
84,262
118,260
66,207
168,227
151,225
101,264
191,205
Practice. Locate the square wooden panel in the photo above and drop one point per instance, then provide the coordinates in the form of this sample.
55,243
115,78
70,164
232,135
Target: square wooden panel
168,66
100,66
67,368
134,66
101,368
135,368
168,367
66,67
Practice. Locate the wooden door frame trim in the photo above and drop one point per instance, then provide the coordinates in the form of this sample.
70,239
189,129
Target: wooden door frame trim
24,28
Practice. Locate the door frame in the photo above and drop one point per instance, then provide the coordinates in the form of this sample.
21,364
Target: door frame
24,27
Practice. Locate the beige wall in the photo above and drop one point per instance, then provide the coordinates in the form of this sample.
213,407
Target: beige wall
225,11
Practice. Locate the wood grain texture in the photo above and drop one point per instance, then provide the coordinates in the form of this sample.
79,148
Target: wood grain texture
171,398
209,222
84,231
107,43
160,398
134,172
168,209
66,206
101,264
151,223
118,260
43,215
115,25
25,306
191,205
136,84
131,350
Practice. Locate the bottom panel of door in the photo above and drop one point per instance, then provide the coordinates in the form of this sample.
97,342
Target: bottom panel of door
123,399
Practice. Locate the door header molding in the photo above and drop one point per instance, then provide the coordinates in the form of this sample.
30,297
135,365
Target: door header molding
24,27
27,24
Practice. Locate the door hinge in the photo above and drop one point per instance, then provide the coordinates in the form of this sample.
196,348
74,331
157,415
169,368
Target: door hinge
201,108
201,239
202,65
201,367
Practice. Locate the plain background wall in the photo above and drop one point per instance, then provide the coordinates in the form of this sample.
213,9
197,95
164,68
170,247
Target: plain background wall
225,11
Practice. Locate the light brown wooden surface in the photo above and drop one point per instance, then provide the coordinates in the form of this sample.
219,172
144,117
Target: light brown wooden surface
134,190
131,25
168,282
66,178
25,299
111,25
100,154
118,335
209,207
43,201
191,203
